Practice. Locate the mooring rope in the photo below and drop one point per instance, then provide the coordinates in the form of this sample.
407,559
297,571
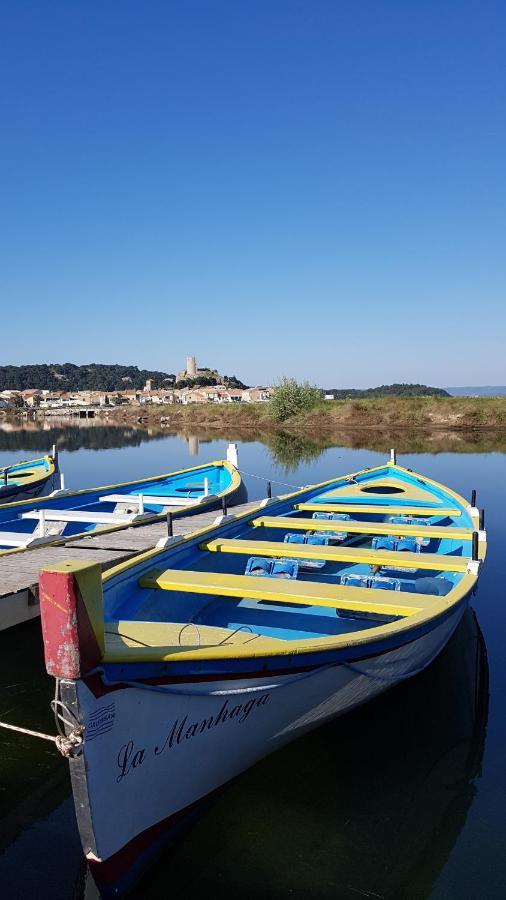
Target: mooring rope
69,744
297,487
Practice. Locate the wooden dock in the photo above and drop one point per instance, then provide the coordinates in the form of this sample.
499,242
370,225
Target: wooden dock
19,572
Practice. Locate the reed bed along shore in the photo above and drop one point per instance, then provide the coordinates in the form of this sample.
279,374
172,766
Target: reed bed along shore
330,417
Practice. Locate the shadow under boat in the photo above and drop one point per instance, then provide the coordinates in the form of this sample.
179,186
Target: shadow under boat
371,804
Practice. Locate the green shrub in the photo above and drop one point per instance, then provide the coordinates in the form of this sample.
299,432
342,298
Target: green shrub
289,398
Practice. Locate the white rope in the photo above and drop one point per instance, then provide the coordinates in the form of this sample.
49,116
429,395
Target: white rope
298,487
39,734
68,744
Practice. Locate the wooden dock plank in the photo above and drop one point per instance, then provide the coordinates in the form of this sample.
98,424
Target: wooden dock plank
19,572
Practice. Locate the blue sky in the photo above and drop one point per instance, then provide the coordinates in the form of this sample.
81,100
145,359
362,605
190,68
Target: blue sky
278,187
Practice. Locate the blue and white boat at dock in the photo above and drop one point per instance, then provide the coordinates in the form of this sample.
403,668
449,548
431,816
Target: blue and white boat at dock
179,669
70,514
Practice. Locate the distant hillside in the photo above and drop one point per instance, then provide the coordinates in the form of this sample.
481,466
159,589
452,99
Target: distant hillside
68,377
208,378
387,390
97,377
481,391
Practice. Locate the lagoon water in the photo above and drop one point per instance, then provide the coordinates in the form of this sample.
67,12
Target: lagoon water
404,798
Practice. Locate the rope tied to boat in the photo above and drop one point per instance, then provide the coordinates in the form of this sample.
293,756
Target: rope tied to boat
69,743
297,487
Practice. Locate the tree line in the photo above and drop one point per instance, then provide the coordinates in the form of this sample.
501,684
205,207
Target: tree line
388,390
70,377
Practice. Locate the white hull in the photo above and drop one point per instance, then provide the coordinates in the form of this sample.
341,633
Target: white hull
150,754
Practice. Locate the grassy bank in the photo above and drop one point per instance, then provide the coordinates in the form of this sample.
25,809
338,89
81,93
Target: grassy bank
331,417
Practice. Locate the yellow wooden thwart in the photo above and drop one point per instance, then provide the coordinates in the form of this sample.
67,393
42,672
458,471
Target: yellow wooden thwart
313,593
380,509
391,559
433,531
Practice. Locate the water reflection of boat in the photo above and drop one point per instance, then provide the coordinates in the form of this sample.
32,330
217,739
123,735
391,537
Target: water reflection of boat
371,805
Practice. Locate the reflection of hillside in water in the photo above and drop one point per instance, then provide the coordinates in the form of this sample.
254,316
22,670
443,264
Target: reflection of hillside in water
288,449
88,436
370,805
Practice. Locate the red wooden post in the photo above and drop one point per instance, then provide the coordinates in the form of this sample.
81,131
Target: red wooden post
72,616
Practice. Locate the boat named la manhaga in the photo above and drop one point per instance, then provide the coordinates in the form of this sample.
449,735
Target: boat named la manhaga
182,667
130,756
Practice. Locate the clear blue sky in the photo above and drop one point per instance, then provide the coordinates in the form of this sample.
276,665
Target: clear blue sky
279,187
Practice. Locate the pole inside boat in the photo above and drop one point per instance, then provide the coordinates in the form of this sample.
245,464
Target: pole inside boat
224,505
393,457
473,498
170,528
475,545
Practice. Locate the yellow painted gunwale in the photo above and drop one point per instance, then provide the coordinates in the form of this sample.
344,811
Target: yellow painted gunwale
235,483
125,634
258,648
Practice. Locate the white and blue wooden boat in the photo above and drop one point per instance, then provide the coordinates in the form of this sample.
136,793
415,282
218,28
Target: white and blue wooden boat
29,479
75,514
181,668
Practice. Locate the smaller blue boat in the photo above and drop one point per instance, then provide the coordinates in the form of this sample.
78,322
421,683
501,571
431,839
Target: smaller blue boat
28,479
73,514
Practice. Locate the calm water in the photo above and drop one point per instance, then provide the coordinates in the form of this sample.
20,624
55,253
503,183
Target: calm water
404,798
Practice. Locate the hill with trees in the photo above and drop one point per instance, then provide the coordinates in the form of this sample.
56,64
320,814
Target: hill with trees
387,390
69,377
208,378
98,377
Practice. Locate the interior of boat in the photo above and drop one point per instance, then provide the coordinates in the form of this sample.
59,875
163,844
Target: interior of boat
341,558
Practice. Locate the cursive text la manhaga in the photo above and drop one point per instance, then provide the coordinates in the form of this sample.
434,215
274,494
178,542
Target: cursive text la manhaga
130,758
